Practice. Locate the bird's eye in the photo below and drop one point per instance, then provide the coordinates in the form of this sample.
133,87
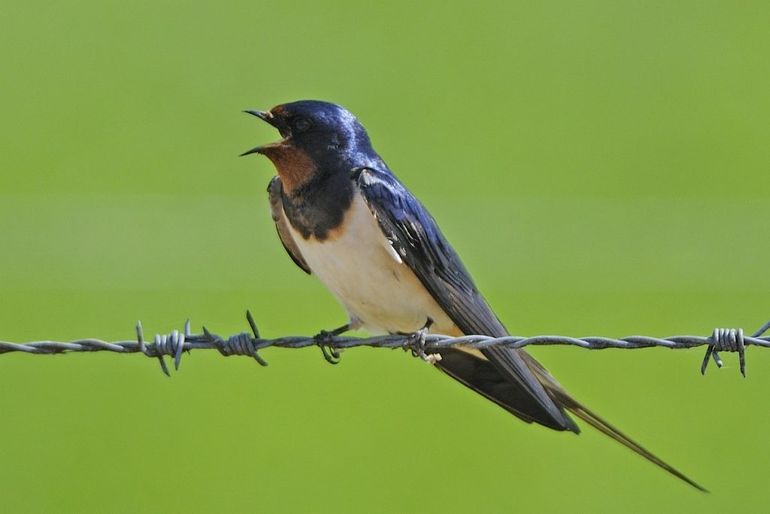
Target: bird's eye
301,124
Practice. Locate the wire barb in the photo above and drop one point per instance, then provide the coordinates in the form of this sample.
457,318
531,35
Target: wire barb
728,340
249,344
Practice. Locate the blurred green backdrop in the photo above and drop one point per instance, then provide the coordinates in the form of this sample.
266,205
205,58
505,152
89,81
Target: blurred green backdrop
601,166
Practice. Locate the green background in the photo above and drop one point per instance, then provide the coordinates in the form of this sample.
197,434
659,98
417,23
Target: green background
602,167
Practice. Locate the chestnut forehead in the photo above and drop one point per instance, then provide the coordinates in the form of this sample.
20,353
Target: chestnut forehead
279,110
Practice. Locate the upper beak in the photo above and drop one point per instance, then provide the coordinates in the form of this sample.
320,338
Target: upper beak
265,116
262,115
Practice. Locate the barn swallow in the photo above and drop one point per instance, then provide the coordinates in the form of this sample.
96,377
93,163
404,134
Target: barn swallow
343,216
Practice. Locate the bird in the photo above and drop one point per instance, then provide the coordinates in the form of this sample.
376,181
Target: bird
343,216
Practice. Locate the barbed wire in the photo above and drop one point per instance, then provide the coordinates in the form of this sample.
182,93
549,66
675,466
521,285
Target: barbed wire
420,343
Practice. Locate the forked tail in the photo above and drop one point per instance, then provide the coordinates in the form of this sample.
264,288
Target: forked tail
603,426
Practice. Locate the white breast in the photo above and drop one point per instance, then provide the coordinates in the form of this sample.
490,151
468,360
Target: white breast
360,267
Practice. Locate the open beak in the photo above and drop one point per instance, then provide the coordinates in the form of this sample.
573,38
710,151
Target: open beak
267,117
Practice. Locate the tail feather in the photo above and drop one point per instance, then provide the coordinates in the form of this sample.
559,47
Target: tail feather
477,373
602,425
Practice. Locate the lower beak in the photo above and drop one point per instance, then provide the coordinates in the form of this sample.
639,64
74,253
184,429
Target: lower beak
256,149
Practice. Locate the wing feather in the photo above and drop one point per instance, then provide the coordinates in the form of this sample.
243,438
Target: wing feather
275,193
416,237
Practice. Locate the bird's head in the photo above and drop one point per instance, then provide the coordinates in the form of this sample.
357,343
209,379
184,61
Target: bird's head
316,136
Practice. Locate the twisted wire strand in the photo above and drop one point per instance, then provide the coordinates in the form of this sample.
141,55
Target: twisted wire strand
422,344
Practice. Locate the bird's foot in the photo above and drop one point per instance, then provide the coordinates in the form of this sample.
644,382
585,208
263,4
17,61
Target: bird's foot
415,342
324,340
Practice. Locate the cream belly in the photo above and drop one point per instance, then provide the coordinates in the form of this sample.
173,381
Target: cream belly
363,271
